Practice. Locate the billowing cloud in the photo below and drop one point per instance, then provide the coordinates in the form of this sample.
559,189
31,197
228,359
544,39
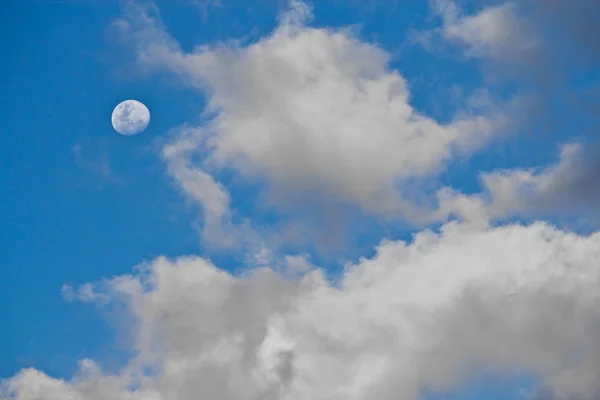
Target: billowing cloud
544,41
547,49
558,188
319,119
567,187
424,314
313,113
495,32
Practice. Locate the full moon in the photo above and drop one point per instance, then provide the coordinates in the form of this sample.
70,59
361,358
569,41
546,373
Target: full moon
130,117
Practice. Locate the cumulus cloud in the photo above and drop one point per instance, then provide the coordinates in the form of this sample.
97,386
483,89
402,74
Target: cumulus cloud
539,40
424,314
567,187
218,230
318,118
313,113
560,187
496,31
546,47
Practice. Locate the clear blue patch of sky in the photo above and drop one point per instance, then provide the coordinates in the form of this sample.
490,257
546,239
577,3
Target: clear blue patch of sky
486,385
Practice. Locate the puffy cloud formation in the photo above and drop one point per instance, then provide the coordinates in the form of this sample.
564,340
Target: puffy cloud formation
309,111
495,31
319,119
541,40
424,314
568,187
547,47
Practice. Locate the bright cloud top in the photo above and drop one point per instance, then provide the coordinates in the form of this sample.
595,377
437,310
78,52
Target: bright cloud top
318,115
312,111
424,314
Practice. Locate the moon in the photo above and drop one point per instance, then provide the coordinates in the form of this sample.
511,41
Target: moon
130,117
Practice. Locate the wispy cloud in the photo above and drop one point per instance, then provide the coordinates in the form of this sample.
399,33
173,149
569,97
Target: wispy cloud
98,165
205,7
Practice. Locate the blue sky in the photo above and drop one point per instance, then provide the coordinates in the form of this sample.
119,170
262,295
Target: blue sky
63,81
81,203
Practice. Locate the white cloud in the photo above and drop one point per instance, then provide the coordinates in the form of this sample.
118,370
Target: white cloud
496,32
84,293
201,187
523,190
546,50
420,314
566,187
545,35
313,113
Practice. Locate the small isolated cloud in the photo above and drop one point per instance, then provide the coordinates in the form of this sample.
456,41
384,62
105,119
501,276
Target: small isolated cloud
98,165
424,314
571,183
205,7
84,293
496,32
539,40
